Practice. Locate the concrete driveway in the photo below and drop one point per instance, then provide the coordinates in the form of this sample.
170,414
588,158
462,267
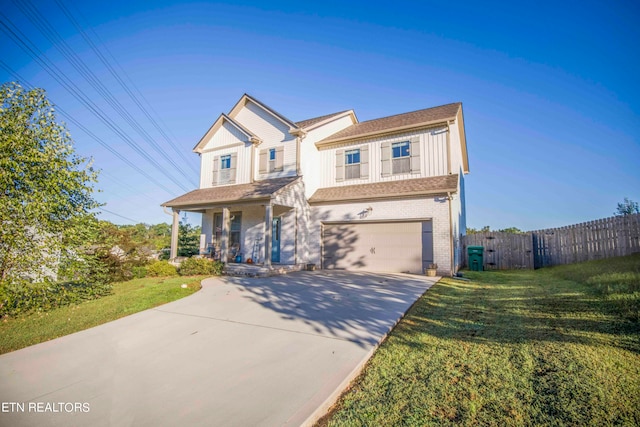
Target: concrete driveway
241,352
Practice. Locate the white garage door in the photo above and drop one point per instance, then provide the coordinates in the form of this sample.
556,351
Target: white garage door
391,246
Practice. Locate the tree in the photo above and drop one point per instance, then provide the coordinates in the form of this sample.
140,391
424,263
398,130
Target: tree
627,207
188,240
160,235
45,188
487,229
484,229
512,230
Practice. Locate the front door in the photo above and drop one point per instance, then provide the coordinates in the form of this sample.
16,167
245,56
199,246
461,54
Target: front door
275,240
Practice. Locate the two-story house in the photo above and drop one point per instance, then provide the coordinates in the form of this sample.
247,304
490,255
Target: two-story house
380,195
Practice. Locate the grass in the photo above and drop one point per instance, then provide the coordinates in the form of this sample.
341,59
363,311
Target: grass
127,298
549,347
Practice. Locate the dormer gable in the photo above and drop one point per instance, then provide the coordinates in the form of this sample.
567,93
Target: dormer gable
225,123
247,101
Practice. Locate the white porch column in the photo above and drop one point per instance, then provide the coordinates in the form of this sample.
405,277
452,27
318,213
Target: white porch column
175,228
224,238
268,227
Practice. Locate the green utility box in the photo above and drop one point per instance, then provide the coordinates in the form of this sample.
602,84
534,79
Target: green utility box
475,257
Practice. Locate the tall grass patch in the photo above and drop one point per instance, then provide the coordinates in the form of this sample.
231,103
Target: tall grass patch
616,280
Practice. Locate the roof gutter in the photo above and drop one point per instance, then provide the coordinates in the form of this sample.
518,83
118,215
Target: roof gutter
383,197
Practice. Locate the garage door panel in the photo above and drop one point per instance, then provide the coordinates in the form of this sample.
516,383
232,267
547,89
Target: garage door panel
397,247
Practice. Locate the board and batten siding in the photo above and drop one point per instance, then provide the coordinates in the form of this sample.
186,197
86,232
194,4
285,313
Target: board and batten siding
273,133
310,158
226,135
270,129
243,164
288,160
227,140
432,160
457,165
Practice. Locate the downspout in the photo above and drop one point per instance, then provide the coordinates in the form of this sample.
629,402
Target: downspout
253,162
295,240
300,135
448,149
298,140
450,198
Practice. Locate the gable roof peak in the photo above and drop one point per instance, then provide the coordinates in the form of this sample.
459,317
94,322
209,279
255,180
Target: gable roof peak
246,98
311,123
253,138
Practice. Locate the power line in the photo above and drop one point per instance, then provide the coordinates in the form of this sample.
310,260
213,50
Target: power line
123,84
92,135
121,216
43,25
28,46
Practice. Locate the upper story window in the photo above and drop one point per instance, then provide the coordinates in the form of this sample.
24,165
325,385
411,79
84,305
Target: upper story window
352,164
225,162
224,169
272,159
401,157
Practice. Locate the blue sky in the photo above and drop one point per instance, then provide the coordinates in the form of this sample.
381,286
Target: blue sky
550,90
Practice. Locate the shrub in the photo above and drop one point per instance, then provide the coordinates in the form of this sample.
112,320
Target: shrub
20,297
161,268
139,272
217,268
199,266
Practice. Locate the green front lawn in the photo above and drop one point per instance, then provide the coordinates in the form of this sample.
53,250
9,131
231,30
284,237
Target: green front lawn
558,346
127,298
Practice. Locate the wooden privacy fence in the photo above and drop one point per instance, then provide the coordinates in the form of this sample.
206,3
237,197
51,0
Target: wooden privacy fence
603,238
502,251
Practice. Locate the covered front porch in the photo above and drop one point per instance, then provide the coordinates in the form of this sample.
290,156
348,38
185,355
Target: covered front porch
244,224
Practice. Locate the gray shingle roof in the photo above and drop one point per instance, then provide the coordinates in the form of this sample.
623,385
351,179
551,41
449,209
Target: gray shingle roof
231,193
399,121
313,121
380,190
